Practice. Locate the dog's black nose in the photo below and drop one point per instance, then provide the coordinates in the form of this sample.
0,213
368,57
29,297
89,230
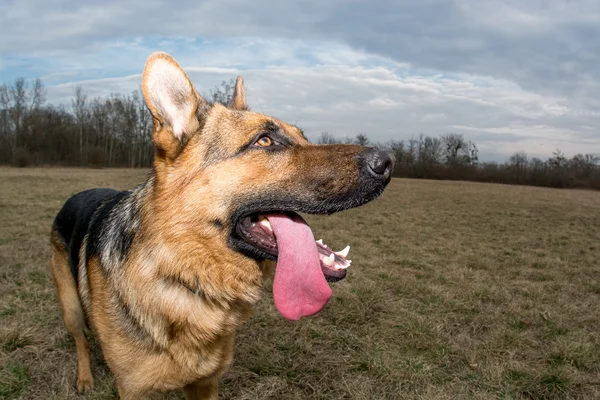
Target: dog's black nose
379,163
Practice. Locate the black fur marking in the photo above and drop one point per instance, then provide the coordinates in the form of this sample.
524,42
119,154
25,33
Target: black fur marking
193,288
73,220
132,326
125,242
217,223
97,228
271,127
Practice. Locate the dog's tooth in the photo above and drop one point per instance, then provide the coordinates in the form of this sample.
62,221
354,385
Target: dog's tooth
329,260
265,222
340,266
320,241
344,253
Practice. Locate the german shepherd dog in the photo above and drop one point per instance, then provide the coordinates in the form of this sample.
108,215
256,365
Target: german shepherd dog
164,274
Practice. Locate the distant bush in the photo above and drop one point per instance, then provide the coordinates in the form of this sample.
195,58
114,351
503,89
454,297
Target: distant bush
22,158
96,157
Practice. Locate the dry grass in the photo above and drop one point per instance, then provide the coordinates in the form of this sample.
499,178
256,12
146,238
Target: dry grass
457,290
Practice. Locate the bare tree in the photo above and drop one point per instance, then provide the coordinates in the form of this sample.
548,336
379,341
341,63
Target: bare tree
327,138
99,124
454,147
361,139
558,160
224,93
5,122
37,96
144,132
519,160
458,151
583,164
519,164
17,108
412,151
430,150
80,111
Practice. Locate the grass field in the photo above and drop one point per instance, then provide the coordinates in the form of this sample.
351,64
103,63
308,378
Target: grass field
457,291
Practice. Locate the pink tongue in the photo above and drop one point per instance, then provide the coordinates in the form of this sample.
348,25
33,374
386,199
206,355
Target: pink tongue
299,288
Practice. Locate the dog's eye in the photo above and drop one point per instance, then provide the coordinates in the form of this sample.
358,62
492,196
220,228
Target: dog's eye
264,141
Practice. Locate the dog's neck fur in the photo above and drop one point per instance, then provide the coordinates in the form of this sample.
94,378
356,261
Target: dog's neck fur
194,282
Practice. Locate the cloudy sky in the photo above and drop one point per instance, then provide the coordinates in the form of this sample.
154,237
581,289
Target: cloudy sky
511,75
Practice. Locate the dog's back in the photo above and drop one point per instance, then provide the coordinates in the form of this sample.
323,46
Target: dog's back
73,220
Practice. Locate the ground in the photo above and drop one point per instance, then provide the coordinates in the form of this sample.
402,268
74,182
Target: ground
457,290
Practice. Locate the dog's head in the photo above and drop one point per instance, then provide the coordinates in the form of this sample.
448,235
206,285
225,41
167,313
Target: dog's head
237,179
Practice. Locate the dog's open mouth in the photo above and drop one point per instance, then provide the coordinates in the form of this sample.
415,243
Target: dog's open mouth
303,265
257,230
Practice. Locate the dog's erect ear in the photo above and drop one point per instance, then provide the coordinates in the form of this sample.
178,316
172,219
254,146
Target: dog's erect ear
172,100
238,100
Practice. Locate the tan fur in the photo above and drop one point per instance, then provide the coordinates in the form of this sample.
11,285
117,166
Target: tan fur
198,179
71,310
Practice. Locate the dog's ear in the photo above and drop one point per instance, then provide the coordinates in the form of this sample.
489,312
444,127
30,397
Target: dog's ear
174,103
238,100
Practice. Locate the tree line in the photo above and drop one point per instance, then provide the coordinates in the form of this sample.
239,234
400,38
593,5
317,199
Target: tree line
116,131
452,157
113,131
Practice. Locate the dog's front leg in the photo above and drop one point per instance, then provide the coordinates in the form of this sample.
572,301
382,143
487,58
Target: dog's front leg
203,390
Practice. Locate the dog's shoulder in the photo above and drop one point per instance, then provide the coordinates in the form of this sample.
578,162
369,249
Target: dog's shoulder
73,221
113,226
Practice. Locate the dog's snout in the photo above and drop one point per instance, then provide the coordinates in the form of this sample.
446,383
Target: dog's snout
379,163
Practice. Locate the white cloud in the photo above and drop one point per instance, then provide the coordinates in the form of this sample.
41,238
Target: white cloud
386,102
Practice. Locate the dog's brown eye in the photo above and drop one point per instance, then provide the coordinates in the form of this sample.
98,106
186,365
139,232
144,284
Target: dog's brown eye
264,141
